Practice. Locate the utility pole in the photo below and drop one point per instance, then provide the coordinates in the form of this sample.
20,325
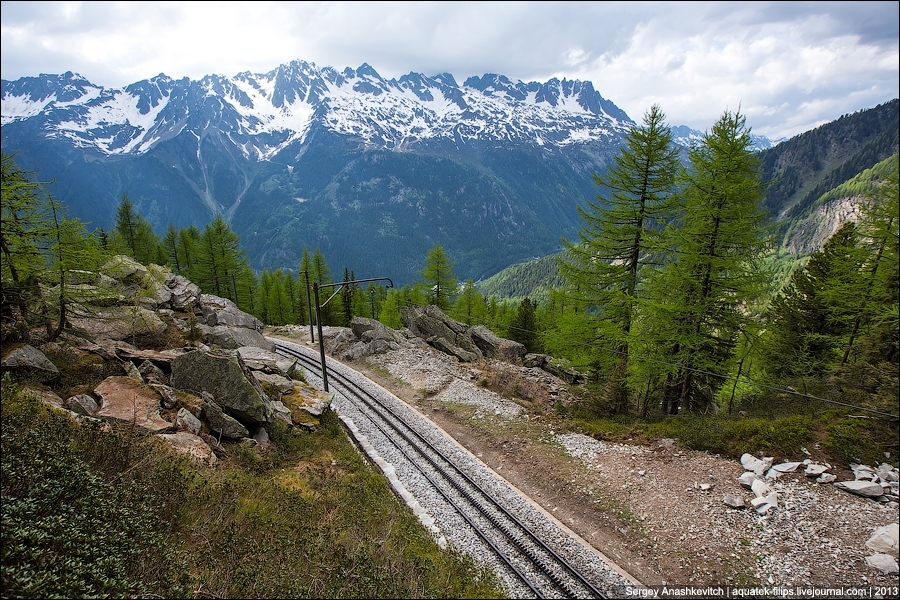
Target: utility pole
312,337
316,288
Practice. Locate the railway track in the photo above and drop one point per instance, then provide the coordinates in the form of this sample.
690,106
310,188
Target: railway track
536,561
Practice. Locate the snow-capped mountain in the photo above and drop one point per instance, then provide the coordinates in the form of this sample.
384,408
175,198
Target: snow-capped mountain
264,113
372,171
685,136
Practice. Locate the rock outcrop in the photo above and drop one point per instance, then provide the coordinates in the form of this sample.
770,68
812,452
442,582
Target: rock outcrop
430,325
444,333
192,397
224,375
127,401
31,363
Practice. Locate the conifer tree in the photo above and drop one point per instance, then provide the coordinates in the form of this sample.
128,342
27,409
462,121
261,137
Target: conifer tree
23,224
170,244
305,275
187,248
222,268
390,309
699,301
39,244
470,307
523,329
347,298
320,273
439,279
877,301
619,235
807,322
133,234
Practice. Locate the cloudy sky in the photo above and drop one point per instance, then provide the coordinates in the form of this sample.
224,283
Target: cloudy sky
789,66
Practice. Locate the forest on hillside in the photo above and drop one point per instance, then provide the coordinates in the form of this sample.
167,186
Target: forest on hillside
668,300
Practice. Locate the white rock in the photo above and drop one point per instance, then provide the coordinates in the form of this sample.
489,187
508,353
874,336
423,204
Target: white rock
862,472
760,488
861,488
826,478
883,562
788,467
751,463
747,479
815,469
888,473
762,505
885,540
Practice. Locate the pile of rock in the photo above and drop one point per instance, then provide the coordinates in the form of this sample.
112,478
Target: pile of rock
879,484
885,542
230,386
430,325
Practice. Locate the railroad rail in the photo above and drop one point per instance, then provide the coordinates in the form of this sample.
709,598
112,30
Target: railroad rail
529,558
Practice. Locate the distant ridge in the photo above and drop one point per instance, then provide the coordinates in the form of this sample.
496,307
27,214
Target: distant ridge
371,171
812,184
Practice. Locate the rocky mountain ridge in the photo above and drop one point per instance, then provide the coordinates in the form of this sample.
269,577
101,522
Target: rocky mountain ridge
372,171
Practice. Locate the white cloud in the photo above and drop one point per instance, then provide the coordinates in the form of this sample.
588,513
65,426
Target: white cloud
790,65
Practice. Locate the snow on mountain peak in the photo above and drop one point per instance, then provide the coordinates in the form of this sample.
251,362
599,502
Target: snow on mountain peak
263,113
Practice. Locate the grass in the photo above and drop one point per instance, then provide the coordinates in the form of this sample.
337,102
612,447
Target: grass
93,510
843,439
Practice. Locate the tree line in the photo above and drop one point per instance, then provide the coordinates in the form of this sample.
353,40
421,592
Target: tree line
666,295
42,246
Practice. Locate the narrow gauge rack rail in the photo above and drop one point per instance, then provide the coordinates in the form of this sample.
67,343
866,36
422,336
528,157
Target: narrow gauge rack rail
523,545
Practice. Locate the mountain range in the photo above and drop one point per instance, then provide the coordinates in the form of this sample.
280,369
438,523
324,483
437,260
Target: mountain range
373,172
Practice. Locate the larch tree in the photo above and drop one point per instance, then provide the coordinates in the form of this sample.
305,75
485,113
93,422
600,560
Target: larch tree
321,274
699,302
222,267
133,235
808,321
523,329
170,244
470,307
188,243
39,245
390,309
439,280
619,237
877,308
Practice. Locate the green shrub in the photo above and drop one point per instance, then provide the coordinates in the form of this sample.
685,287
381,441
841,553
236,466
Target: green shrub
860,440
91,511
69,530
733,437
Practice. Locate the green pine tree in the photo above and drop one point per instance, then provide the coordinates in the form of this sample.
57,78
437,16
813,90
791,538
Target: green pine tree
133,234
439,280
170,244
390,309
470,307
39,245
619,238
808,321
221,267
524,327
699,302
